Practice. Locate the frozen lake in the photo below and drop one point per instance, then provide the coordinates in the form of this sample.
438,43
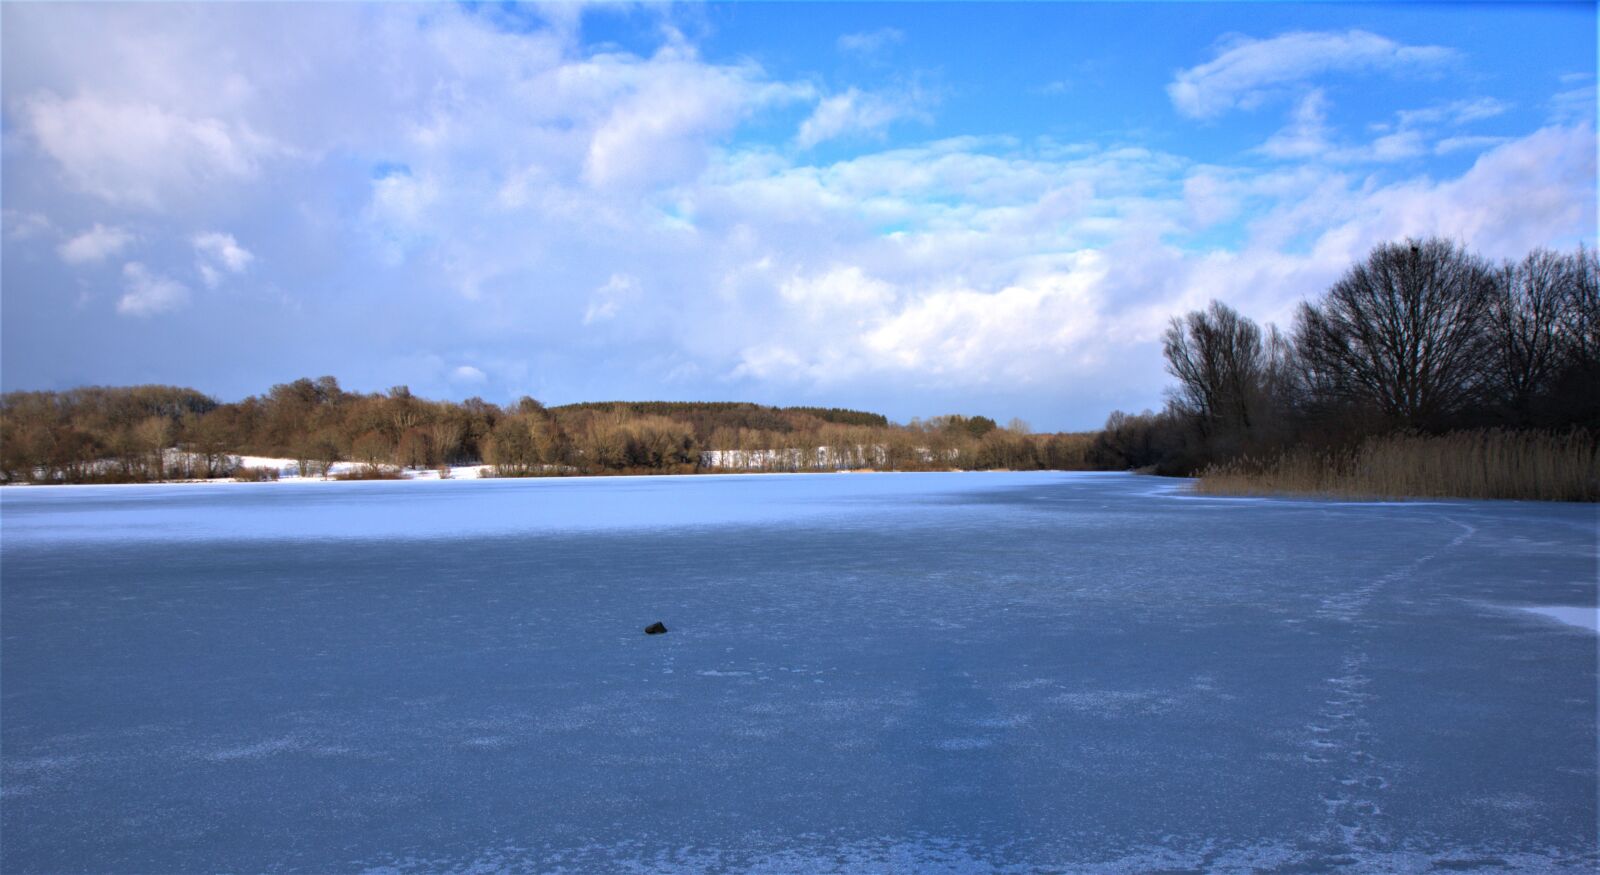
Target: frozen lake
865,673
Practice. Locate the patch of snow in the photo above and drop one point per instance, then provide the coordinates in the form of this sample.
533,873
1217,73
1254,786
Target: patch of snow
1573,615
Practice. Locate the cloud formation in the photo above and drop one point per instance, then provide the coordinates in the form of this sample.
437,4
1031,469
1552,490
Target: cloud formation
147,293
138,154
1247,71
468,375
509,211
96,244
858,113
217,253
609,299
870,42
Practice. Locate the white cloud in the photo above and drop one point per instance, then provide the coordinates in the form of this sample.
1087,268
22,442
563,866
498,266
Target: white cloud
468,375
855,112
554,184
841,295
843,327
665,113
1397,146
1308,137
400,212
147,294
138,154
1517,196
1307,134
1456,112
1574,105
223,249
609,299
1247,71
217,252
402,199
96,244
1022,333
963,298
870,42
21,225
1461,144
1210,197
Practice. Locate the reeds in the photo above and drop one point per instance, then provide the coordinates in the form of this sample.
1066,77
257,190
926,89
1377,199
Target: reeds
1486,463
370,472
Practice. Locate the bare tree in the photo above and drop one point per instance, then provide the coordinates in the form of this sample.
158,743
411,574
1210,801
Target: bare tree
414,449
1580,309
155,434
1575,390
1526,315
1403,332
548,441
511,449
446,432
405,412
372,449
1221,366
211,445
324,454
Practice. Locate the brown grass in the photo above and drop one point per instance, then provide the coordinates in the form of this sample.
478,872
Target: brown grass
1489,463
254,475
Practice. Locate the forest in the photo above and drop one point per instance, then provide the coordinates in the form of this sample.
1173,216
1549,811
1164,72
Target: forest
146,433
1424,370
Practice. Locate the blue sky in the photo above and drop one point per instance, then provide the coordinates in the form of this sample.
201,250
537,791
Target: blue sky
910,208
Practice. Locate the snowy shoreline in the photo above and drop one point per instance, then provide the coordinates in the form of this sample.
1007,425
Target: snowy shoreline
463,473
287,471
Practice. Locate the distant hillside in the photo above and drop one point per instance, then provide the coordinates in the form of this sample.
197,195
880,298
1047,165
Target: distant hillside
708,416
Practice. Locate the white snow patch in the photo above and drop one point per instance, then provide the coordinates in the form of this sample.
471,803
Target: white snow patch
1573,615
288,470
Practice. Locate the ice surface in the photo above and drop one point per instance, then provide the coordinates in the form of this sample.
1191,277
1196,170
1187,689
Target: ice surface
865,673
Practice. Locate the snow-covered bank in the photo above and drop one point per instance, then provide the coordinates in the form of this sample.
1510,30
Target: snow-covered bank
288,471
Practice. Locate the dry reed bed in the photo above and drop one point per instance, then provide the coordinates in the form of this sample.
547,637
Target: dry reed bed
1490,463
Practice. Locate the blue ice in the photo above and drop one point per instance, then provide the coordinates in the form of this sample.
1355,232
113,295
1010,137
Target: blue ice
1004,672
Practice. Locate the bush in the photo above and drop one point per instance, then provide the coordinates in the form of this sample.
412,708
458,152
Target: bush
370,472
245,474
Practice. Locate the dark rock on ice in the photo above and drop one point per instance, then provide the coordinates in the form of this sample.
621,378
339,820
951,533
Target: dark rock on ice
655,629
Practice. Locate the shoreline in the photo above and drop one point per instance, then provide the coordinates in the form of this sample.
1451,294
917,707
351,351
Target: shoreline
298,480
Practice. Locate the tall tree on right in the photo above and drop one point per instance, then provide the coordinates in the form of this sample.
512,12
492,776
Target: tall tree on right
1526,317
1575,390
1405,333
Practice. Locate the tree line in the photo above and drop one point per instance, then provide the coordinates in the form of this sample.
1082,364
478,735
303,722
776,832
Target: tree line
1421,337
141,433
